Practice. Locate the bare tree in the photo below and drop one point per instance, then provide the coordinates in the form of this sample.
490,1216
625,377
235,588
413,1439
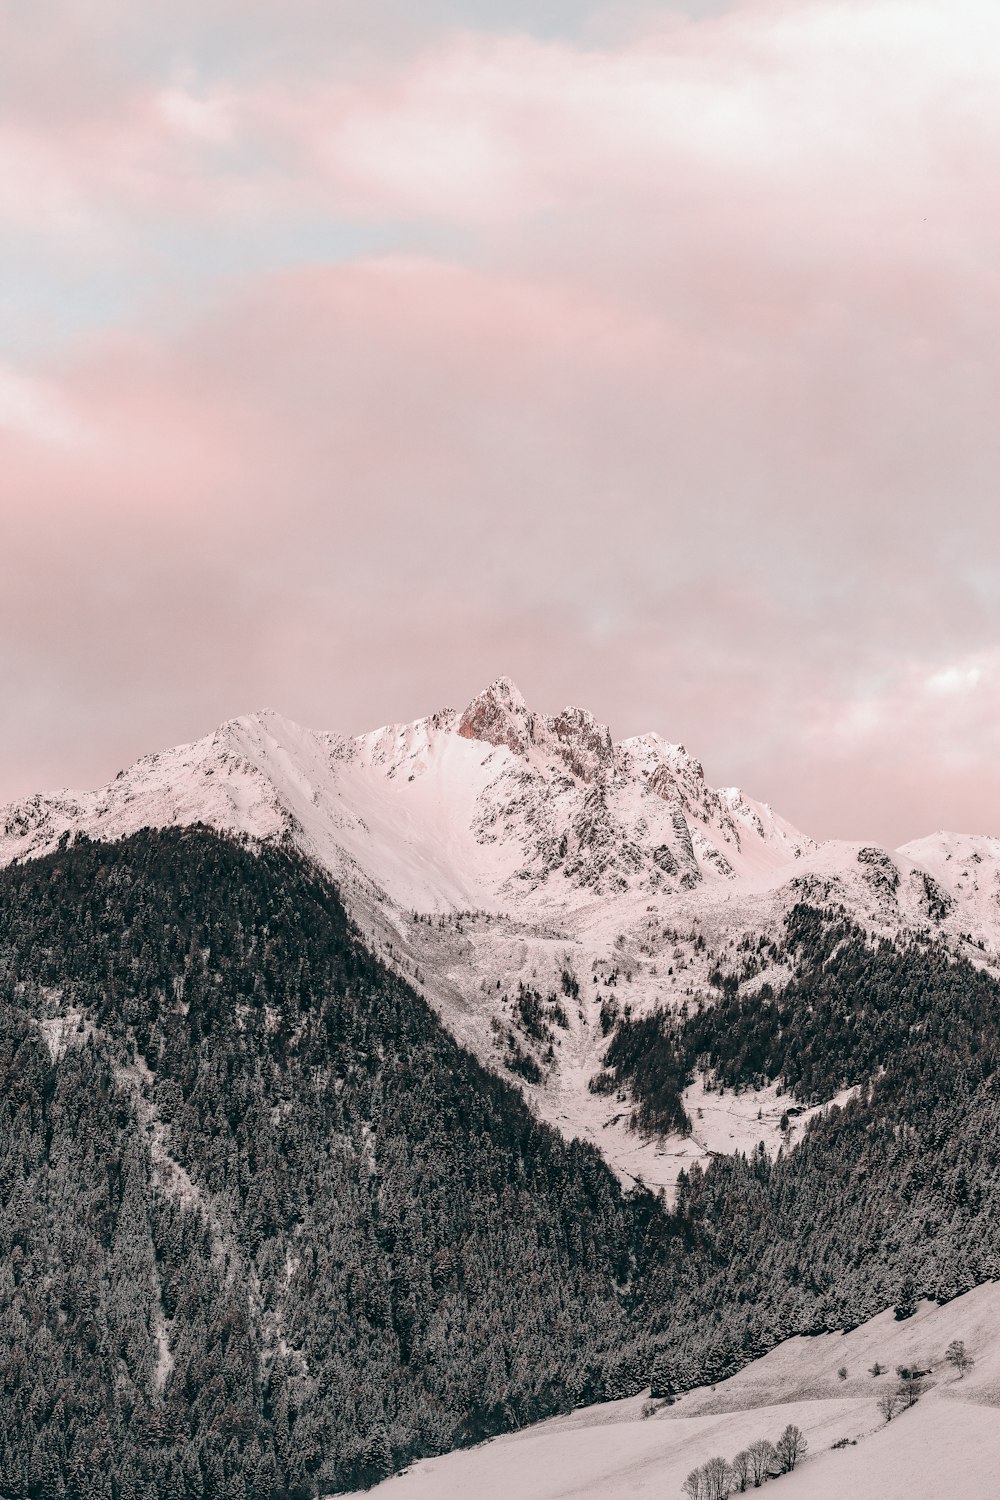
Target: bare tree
763,1457
888,1404
741,1471
910,1391
791,1447
718,1479
959,1357
694,1485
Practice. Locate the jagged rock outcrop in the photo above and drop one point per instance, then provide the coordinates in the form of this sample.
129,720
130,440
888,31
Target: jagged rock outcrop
499,716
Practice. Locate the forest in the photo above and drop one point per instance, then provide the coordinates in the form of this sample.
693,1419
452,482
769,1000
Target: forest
892,1196
267,1231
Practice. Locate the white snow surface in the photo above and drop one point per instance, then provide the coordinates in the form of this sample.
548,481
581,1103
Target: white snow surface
533,848
946,1447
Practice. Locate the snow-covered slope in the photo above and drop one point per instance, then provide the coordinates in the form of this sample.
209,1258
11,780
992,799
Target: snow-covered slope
946,1447
480,808
496,848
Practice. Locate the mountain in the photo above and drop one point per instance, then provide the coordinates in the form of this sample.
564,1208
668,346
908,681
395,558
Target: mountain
493,808
269,1228
533,878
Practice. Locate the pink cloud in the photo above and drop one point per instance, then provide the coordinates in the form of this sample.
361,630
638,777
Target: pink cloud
409,474
853,109
701,433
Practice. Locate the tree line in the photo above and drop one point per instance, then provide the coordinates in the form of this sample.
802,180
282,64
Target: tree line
751,1467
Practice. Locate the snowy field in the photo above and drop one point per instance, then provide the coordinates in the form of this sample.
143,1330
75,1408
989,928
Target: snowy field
947,1447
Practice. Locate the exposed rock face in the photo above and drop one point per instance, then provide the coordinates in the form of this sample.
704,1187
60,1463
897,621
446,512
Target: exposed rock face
684,845
937,903
499,716
880,872
584,743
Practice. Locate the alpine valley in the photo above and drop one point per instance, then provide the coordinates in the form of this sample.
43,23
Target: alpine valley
366,1097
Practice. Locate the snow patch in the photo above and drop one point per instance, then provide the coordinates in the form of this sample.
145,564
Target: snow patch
62,1032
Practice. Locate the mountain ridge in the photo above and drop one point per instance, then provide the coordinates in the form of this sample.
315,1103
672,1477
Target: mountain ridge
495,853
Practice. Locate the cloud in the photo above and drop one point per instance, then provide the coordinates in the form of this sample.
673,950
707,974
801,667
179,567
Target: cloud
861,105
410,476
673,392
203,119
37,410
955,679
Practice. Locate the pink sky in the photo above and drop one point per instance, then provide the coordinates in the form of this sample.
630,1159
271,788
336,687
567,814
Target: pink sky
352,355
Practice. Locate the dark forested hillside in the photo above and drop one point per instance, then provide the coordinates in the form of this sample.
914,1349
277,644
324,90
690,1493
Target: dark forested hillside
854,1011
894,1196
267,1230
265,1226
852,1008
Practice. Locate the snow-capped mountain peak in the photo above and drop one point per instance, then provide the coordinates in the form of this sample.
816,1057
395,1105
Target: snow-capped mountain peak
500,716
547,854
551,795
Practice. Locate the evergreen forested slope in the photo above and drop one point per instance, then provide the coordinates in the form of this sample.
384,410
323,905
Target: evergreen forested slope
265,1226
895,1195
265,1229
